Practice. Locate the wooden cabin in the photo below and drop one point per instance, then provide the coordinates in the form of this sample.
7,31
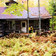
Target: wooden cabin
12,23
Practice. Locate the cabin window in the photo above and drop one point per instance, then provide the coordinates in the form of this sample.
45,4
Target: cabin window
23,24
12,25
36,24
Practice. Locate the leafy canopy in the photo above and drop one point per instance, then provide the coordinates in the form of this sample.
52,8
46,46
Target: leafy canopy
52,11
15,9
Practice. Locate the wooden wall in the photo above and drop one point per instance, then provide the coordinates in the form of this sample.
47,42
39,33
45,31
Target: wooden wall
18,25
44,25
7,29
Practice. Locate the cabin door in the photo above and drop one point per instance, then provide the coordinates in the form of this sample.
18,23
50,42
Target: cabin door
23,26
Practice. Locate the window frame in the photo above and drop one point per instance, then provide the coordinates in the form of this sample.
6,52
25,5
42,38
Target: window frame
36,24
12,26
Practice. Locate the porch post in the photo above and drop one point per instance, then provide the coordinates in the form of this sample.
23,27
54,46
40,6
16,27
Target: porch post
28,16
39,16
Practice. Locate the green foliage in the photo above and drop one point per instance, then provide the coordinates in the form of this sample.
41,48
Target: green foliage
15,9
24,46
47,53
51,9
53,23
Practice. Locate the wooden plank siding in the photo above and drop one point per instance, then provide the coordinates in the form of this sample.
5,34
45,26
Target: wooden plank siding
7,30
18,25
44,24
1,28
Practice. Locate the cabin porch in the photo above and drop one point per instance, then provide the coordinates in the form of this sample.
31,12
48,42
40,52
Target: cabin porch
20,26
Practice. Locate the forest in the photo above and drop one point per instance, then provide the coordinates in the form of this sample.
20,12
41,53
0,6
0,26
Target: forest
16,44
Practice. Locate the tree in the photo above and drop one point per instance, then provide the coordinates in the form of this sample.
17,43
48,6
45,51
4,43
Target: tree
52,10
15,9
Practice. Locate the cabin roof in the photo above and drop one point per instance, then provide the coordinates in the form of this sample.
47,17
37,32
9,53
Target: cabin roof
33,14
